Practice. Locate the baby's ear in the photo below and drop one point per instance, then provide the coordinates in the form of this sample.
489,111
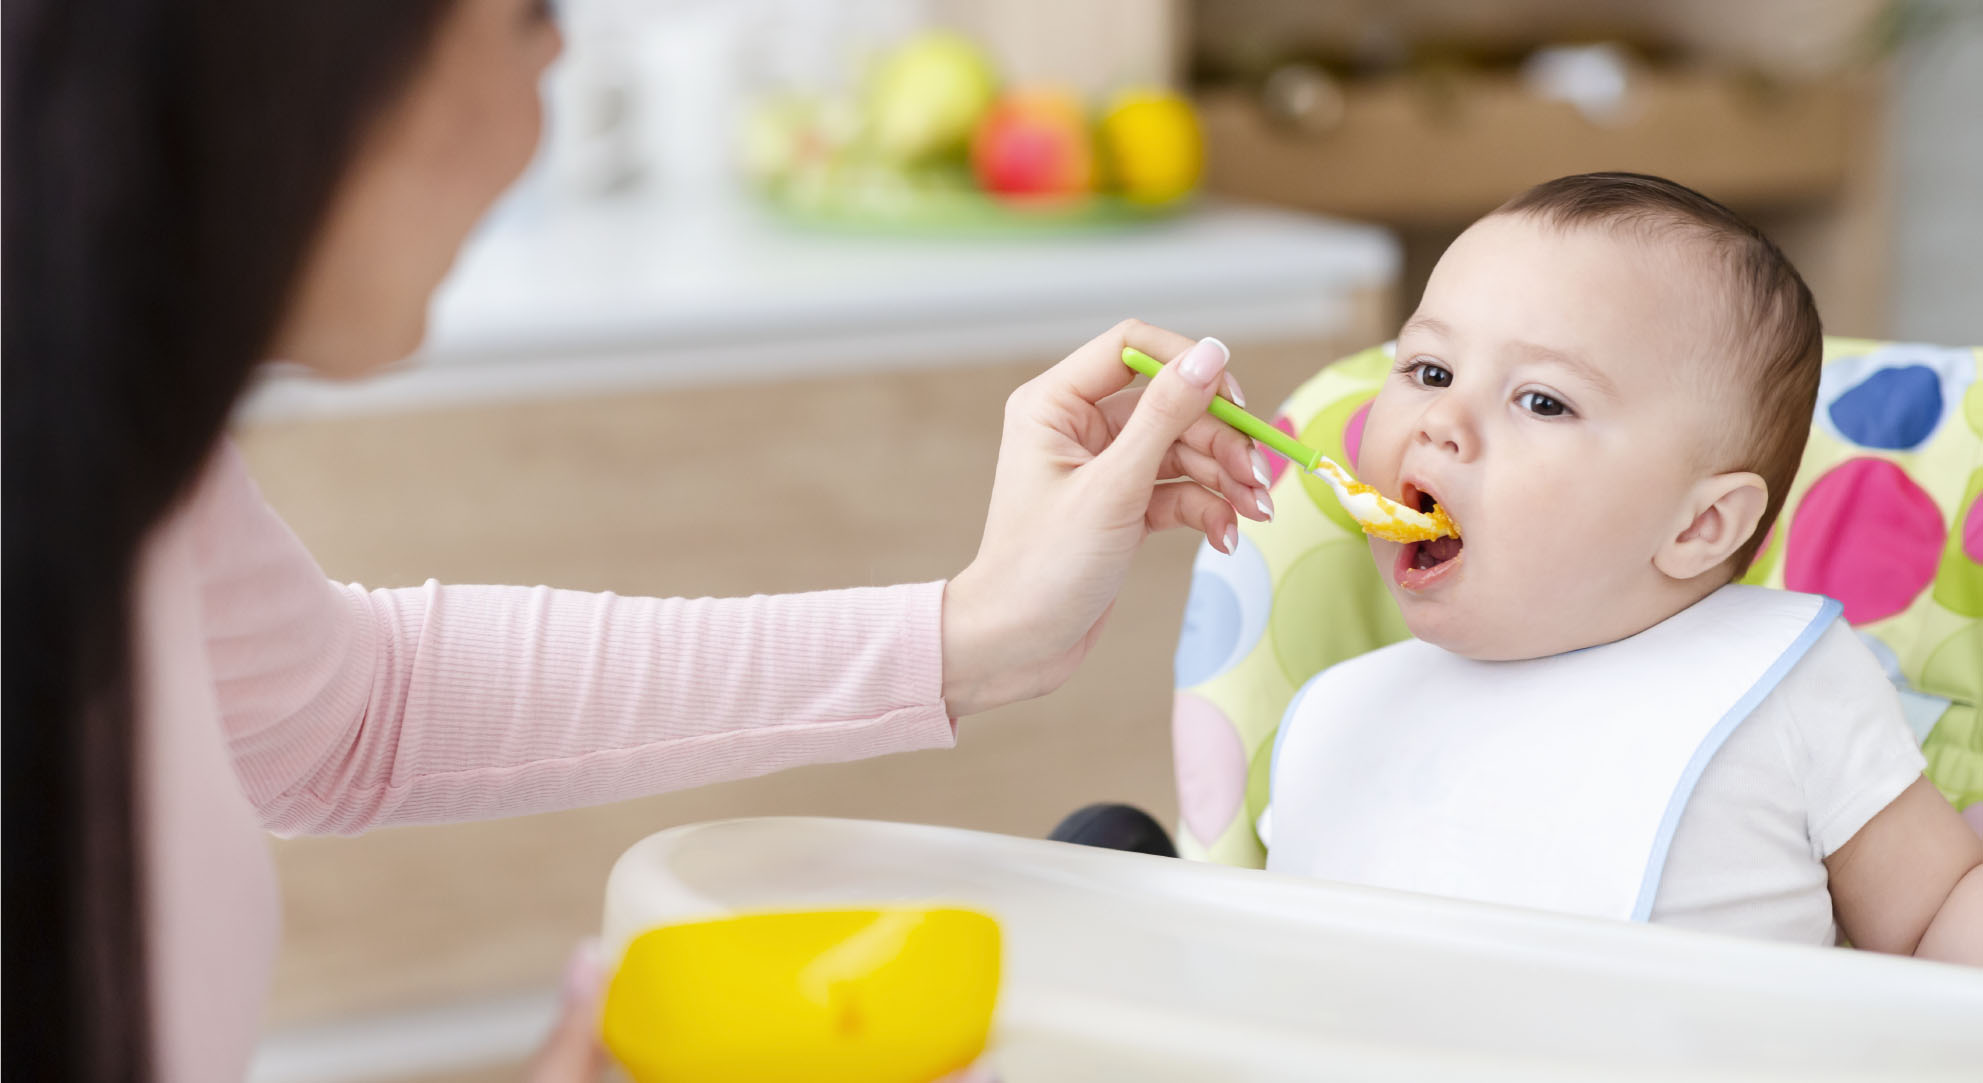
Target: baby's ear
1720,514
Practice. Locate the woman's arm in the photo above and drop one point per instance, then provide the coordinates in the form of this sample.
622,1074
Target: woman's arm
349,709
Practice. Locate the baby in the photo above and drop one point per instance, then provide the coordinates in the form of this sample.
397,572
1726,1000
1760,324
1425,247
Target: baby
1608,385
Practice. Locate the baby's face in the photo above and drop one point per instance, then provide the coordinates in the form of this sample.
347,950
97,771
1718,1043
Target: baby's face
1550,393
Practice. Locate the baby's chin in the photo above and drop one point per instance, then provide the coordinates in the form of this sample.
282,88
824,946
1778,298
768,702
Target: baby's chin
1466,614
1452,625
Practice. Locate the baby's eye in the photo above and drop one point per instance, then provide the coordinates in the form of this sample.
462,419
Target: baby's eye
1541,405
1427,374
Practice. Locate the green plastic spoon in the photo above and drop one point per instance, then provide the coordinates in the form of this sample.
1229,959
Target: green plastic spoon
1375,512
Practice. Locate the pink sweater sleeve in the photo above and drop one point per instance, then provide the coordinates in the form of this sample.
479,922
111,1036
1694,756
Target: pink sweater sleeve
347,709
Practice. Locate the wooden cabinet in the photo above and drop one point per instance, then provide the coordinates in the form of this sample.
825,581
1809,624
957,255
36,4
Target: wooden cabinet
1803,160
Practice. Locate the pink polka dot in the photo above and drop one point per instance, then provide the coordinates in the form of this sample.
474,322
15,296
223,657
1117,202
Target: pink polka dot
1353,433
1867,536
1972,530
1276,466
1211,767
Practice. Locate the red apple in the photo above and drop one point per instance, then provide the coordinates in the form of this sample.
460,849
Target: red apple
1035,144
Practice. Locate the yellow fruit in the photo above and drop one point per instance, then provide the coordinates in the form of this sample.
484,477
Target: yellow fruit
893,995
1153,145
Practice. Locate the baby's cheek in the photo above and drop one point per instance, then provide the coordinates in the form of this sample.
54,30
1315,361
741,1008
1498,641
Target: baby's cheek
1528,547
1531,530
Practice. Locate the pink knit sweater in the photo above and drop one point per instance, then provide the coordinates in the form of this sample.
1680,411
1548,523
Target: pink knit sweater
275,700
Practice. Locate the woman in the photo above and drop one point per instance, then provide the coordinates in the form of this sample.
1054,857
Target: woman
194,187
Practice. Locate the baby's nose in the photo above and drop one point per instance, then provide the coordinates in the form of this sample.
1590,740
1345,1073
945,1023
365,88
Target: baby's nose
1448,426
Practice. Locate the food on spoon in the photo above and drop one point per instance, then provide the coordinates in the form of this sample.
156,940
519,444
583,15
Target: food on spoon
1382,516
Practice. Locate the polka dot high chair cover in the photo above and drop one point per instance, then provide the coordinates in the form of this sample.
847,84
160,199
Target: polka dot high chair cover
1886,515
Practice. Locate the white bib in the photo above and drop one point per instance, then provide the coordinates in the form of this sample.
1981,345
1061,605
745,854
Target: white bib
1553,783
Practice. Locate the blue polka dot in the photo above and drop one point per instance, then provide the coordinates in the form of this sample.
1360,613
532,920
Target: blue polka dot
1887,409
1211,629
1226,613
1896,409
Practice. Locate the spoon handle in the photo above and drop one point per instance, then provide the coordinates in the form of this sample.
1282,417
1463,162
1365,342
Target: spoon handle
1225,410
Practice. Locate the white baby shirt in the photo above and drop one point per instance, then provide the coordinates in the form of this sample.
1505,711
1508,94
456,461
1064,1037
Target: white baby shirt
1823,752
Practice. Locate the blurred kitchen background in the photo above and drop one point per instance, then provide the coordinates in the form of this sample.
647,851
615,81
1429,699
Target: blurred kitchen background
749,323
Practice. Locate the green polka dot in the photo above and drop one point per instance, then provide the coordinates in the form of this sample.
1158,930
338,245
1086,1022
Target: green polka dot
1972,403
1765,562
1954,749
1324,433
1259,777
1959,580
1330,606
1955,669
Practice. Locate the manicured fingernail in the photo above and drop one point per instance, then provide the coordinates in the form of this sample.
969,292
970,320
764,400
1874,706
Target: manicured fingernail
1233,392
1260,469
1265,502
1204,362
585,972
1232,539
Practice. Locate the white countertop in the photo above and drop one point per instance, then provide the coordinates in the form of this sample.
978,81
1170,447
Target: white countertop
633,293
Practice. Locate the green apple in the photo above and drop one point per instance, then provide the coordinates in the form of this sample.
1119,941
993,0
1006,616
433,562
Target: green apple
926,96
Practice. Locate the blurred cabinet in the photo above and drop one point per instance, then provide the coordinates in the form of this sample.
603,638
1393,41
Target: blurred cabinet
1804,161
1774,107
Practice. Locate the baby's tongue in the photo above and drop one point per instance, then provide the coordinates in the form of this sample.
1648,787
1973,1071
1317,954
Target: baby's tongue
1441,550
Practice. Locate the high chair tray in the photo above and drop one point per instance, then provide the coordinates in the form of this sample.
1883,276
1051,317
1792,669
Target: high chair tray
1134,968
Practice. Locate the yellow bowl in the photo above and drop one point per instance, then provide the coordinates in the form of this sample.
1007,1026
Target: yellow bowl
886,995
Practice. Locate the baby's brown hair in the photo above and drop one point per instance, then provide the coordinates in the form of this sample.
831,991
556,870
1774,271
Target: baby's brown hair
1771,329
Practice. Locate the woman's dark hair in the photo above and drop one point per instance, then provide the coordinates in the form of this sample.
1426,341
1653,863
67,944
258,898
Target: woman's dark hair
168,163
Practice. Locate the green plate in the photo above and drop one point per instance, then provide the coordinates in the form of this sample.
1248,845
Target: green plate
945,213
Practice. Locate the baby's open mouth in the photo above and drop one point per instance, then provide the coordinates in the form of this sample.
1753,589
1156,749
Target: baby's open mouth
1422,562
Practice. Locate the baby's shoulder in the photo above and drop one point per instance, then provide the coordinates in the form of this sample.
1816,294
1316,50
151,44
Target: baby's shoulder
1838,682
1834,721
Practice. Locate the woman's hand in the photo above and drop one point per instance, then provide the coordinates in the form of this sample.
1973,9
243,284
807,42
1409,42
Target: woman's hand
1086,470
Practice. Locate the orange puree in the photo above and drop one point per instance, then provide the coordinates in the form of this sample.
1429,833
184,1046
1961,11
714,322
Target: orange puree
1394,529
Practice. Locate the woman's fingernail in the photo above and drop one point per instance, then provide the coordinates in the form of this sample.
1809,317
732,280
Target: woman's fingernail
1260,469
1232,539
1233,392
585,972
1203,362
1265,502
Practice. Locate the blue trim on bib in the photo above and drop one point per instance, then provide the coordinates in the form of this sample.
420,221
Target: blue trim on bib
1828,612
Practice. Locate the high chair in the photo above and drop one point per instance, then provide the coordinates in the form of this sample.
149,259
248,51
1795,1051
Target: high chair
1124,966
1121,965
1886,516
